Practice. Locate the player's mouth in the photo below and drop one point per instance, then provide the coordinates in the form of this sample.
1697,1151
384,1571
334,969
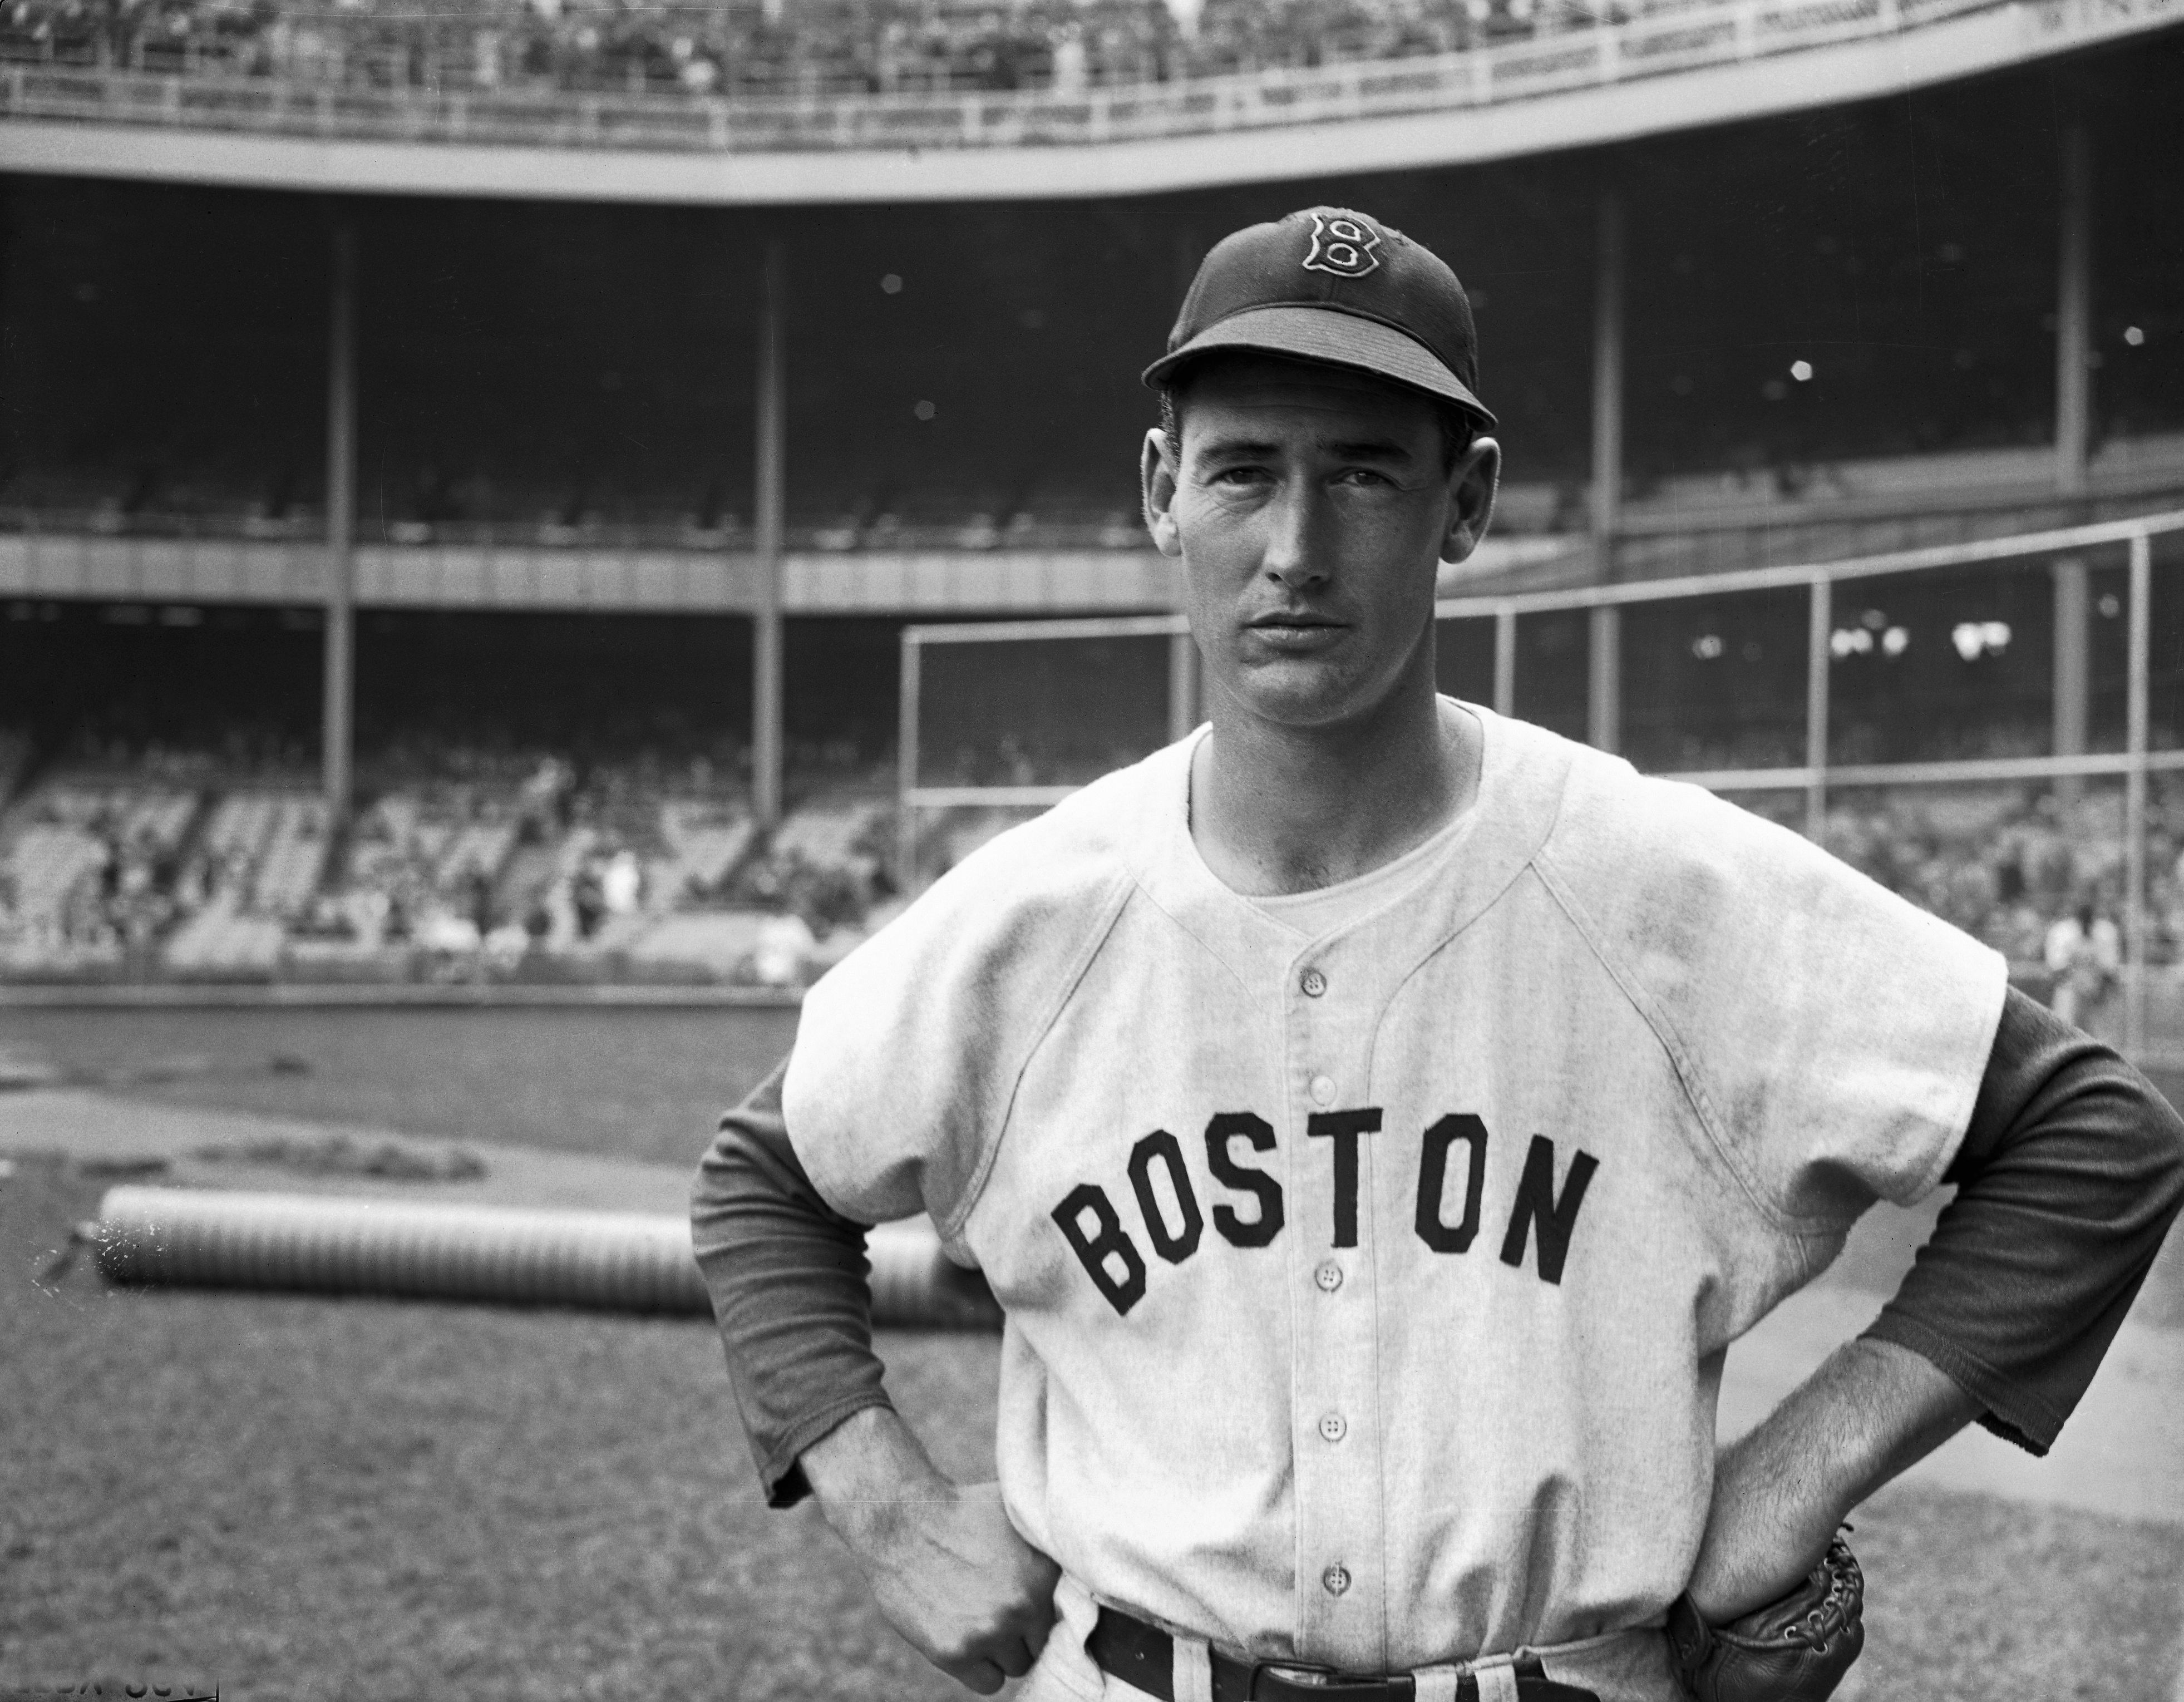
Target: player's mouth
1296,631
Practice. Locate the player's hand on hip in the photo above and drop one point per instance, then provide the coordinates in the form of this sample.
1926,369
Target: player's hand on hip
1871,1410
967,1591
946,1564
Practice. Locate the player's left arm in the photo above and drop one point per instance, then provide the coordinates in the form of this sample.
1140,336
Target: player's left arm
1870,1411
2068,1176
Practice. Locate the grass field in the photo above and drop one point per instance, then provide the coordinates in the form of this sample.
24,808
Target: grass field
304,1498
646,1084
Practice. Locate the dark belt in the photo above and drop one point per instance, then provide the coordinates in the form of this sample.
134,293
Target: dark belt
1144,1655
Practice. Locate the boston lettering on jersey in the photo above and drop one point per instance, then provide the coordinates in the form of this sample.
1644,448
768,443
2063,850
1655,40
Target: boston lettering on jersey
1175,1224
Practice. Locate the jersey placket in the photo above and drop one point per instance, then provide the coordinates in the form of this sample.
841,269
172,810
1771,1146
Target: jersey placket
1336,1430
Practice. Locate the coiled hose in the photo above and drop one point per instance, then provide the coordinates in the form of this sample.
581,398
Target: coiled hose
622,1261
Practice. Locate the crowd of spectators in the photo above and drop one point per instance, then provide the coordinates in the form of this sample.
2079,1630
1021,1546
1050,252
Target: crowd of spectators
807,48
92,871
481,863
2037,872
462,862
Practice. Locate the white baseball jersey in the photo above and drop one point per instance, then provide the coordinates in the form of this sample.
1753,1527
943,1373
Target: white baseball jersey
1367,1294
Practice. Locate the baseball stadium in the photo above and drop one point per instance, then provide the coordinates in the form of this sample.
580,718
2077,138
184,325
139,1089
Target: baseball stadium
530,529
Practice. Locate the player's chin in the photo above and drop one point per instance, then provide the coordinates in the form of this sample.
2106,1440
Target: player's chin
1299,691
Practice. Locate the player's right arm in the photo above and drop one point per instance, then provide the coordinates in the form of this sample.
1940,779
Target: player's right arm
788,1277
946,1565
907,1057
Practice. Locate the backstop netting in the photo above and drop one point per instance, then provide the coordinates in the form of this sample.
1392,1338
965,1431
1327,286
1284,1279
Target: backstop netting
1001,720
1994,729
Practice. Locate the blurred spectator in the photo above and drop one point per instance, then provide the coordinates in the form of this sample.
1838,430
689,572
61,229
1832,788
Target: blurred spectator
544,801
622,883
455,936
506,946
784,943
1070,64
588,900
2084,952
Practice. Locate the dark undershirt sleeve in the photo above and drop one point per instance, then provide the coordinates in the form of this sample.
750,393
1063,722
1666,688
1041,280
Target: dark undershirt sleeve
2068,1178
790,1287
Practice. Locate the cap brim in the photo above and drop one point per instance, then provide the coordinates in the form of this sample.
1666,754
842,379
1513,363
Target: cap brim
1334,337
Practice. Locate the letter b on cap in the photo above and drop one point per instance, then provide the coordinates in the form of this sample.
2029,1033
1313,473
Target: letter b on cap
1342,246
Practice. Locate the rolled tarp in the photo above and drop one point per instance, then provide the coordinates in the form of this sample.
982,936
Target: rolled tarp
623,1261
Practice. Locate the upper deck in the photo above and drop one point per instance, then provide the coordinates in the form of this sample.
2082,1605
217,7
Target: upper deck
1569,82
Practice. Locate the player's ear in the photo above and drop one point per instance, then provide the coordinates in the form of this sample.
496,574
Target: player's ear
1471,483
1157,478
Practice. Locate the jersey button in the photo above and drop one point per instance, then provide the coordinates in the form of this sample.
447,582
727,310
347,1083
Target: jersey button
1335,1579
1313,984
1328,1277
1333,1427
1322,1090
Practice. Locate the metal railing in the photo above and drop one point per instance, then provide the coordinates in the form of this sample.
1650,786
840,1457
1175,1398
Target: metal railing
438,107
1814,777
975,534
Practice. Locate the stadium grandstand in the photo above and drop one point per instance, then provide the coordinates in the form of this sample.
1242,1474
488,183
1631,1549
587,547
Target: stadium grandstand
499,494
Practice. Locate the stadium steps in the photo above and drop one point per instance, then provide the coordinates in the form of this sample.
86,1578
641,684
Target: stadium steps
706,842
828,833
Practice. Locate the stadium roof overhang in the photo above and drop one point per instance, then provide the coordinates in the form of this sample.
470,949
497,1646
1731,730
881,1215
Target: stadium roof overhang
1965,46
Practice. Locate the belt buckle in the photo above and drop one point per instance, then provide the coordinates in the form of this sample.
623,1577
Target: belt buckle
1327,1684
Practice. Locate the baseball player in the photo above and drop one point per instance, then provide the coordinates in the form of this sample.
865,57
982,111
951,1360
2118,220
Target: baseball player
1375,1118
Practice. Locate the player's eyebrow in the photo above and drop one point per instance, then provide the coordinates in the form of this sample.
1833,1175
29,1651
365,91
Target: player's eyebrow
1368,449
1236,449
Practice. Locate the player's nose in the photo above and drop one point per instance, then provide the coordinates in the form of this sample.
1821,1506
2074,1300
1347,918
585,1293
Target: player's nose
1294,553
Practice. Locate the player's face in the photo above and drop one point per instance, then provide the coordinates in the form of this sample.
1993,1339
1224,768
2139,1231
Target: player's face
1310,509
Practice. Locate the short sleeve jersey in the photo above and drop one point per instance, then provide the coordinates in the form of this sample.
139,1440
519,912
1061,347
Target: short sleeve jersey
1367,1294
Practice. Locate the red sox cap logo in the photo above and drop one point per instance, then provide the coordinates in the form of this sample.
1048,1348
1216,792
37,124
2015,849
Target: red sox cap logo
1343,247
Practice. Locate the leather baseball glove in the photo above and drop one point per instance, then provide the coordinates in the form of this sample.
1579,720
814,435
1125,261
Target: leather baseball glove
1795,1649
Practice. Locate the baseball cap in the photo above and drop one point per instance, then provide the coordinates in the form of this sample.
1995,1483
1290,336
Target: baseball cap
1332,285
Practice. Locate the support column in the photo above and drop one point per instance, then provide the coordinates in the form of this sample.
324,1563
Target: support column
1505,662
1604,692
766,613
1183,711
2073,313
1603,697
1819,630
337,714
1607,383
2074,337
906,714
2074,689
2139,678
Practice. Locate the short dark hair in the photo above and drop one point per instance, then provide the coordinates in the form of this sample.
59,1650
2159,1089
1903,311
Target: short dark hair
1458,429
